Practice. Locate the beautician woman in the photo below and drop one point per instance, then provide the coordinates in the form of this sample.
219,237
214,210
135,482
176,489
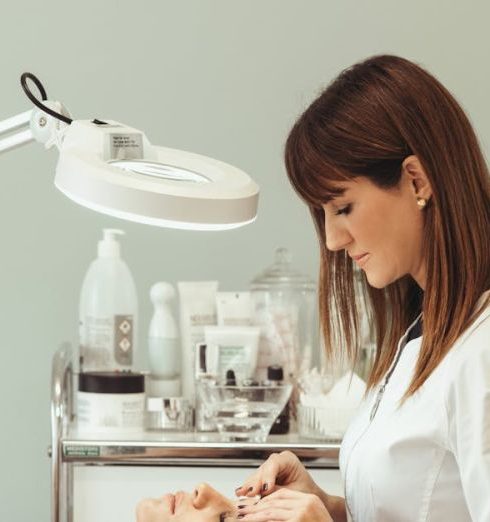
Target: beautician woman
395,180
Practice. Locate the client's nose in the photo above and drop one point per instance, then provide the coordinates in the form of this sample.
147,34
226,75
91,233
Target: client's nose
205,495
202,495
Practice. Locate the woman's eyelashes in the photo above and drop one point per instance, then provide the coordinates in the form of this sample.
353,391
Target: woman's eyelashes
343,210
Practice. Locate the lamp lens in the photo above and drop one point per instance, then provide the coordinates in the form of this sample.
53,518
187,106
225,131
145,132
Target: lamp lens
160,170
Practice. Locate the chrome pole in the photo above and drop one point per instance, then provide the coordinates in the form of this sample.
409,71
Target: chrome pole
61,412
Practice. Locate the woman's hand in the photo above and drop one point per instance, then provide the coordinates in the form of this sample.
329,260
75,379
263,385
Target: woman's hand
286,505
279,470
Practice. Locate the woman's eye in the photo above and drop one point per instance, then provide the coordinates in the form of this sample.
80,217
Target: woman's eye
344,210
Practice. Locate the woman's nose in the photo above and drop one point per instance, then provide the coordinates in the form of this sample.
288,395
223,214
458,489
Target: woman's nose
337,236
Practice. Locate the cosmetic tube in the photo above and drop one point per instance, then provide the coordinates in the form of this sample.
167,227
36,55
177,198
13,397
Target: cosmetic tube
234,308
197,309
232,348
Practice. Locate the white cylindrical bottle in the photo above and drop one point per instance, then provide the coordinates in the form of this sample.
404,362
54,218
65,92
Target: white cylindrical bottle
163,343
108,311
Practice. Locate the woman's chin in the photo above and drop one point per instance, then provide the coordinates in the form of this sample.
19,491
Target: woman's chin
378,281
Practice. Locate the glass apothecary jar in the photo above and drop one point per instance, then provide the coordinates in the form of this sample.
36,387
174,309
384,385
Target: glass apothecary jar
285,309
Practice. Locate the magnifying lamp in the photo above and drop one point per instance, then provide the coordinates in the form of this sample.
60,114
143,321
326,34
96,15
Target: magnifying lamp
113,169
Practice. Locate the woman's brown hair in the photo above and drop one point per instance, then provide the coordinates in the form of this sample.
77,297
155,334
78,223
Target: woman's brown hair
366,122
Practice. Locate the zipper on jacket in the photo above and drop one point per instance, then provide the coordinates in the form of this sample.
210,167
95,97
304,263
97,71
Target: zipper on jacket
381,390
377,401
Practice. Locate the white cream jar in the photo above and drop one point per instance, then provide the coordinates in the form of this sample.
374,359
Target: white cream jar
110,402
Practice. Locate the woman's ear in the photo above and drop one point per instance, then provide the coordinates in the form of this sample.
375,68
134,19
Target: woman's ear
416,175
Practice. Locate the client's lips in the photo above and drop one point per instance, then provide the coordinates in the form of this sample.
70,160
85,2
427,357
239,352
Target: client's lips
178,497
171,503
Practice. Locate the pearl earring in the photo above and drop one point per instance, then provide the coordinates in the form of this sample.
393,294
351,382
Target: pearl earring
421,202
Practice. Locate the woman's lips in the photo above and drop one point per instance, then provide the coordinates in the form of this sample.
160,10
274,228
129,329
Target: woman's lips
361,259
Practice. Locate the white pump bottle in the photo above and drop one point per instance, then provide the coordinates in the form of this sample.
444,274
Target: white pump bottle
163,348
108,310
163,343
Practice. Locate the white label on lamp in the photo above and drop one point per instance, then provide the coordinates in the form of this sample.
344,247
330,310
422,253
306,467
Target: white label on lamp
124,146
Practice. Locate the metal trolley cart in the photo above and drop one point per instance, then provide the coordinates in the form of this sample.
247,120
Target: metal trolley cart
68,451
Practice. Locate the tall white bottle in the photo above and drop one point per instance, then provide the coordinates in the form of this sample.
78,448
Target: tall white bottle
108,310
163,343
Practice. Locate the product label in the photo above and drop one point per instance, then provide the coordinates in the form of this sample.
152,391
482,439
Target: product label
198,322
95,343
106,342
233,358
107,410
125,146
81,451
123,339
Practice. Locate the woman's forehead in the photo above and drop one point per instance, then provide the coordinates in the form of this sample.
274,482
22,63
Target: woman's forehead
342,188
339,189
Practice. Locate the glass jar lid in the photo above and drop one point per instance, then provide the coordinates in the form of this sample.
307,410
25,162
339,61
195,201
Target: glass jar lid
281,274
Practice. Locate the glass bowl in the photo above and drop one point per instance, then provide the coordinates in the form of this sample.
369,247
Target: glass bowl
245,413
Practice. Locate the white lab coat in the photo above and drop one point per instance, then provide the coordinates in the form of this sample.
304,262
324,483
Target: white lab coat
429,459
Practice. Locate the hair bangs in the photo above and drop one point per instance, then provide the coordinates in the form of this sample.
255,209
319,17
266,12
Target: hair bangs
313,176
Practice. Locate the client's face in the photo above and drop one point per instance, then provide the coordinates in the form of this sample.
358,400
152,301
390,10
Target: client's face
203,505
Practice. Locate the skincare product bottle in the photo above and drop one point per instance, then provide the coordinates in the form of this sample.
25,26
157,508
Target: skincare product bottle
163,344
204,417
108,311
275,377
197,303
232,348
230,378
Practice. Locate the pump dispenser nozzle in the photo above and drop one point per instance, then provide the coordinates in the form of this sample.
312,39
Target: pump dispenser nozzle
109,246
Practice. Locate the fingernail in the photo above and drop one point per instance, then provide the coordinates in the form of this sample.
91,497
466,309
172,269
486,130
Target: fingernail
265,487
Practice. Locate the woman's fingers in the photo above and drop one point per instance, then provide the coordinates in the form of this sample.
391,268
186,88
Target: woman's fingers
287,505
268,477
284,494
268,515
263,481
273,507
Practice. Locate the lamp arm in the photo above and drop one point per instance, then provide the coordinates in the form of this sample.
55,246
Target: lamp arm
21,124
33,125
